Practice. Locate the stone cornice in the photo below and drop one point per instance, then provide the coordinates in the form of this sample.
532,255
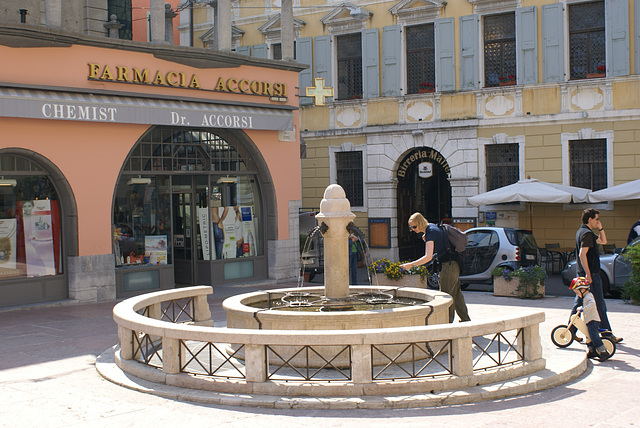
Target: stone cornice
26,36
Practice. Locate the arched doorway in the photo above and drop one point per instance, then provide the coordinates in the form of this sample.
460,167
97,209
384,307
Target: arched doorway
423,186
192,206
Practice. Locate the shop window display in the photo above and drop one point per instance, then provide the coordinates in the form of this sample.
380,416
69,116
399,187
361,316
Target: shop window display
142,223
30,243
186,195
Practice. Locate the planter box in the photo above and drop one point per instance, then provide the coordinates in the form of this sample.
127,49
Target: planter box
508,83
406,281
595,75
502,287
426,90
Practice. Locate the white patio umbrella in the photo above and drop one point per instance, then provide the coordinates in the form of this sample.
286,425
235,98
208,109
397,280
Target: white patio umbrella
531,190
629,190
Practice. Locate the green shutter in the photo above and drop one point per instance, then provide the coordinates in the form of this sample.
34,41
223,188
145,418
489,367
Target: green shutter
391,51
322,58
445,58
244,50
469,67
304,56
259,51
526,45
617,36
370,65
552,43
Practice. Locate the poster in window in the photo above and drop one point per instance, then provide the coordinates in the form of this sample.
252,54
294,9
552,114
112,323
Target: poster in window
239,232
8,247
203,227
38,238
155,247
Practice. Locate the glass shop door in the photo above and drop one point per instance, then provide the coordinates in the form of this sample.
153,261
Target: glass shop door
183,261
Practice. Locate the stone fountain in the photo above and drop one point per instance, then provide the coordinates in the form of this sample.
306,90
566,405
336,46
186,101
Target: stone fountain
255,310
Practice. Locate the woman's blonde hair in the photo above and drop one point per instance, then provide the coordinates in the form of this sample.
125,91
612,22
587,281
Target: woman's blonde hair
419,220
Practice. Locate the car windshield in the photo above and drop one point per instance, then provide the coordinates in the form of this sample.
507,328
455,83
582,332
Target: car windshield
481,238
521,238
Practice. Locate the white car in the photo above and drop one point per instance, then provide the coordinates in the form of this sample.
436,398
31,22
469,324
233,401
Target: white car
490,247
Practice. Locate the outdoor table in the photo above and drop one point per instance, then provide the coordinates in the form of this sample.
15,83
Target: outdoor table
566,254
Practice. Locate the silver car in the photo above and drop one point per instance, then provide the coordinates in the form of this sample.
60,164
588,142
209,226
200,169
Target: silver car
490,247
615,270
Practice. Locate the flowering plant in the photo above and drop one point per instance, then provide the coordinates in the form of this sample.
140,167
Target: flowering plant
394,271
602,69
427,85
530,278
509,78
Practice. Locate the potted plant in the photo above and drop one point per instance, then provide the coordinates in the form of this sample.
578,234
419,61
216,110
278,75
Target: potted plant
390,273
509,80
631,289
601,71
425,87
525,282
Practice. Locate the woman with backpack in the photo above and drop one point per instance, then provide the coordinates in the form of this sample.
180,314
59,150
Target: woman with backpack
435,242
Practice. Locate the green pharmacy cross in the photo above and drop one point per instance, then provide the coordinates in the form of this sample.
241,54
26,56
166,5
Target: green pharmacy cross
319,92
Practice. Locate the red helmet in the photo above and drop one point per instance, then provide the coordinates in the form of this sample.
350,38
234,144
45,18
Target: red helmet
579,282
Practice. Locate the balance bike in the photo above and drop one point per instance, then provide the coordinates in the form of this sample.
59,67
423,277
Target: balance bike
562,337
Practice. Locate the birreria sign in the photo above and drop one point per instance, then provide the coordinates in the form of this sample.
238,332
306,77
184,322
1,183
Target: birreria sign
176,79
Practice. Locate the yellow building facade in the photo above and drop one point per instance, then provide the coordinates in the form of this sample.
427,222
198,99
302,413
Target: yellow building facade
436,101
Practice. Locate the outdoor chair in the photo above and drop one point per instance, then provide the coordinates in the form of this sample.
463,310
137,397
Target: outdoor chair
553,261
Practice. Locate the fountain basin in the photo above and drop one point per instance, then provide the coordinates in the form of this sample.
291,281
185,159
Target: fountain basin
242,313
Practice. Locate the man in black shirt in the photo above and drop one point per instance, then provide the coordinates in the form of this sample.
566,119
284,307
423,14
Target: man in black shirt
588,265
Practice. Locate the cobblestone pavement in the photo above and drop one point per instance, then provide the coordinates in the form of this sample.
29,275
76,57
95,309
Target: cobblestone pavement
48,378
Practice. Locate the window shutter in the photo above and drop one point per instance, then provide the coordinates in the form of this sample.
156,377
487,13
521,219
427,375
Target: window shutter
322,58
259,51
445,58
469,74
391,51
303,55
244,50
371,72
526,45
552,43
617,34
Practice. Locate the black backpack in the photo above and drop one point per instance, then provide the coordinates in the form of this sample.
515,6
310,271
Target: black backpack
455,240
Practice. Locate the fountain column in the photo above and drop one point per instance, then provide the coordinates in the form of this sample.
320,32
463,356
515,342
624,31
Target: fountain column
335,212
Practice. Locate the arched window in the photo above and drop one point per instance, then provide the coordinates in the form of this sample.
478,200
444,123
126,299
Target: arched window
192,191
30,222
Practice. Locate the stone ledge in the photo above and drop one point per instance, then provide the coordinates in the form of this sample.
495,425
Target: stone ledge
562,366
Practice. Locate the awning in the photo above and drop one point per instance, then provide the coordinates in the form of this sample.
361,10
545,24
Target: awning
105,108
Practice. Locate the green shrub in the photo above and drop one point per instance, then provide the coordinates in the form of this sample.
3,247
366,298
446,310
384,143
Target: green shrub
531,278
631,289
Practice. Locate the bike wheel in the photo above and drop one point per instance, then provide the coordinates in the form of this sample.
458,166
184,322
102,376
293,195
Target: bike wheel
609,345
561,336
